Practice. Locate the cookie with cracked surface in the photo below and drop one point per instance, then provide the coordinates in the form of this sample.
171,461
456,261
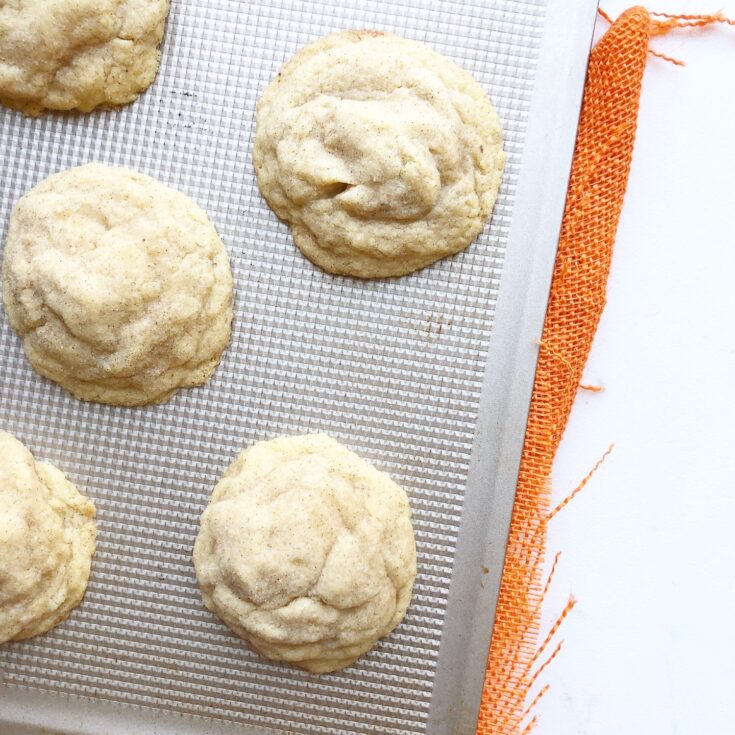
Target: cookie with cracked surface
47,540
382,155
118,286
78,54
307,552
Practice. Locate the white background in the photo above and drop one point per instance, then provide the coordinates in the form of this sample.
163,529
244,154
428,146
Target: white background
648,548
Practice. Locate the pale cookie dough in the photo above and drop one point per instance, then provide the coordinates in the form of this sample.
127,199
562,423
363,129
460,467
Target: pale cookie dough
381,154
119,287
306,552
78,54
47,539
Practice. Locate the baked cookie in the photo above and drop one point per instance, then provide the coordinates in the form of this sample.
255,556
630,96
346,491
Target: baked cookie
306,552
119,287
47,539
381,154
78,54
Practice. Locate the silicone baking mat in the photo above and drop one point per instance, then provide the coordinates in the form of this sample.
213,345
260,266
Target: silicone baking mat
393,368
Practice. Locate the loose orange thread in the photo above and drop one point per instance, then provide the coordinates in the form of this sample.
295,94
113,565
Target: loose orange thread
546,346
547,587
550,578
550,635
673,21
541,694
581,485
678,62
567,364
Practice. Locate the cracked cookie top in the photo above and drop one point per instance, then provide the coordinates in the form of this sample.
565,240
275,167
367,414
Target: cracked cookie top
47,539
307,552
381,154
118,286
78,54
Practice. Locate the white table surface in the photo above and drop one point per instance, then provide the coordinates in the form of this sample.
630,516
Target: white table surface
648,549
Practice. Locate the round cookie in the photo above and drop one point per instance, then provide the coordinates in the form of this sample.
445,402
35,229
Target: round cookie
119,287
78,54
306,552
47,539
382,155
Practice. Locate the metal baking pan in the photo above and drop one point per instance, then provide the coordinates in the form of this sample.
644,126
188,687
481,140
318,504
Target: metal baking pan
427,376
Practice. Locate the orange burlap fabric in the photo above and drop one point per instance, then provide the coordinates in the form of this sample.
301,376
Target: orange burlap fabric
598,181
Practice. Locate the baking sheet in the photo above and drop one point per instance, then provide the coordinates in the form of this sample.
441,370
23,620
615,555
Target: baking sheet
395,369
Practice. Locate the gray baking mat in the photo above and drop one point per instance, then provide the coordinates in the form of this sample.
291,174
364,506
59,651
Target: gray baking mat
393,369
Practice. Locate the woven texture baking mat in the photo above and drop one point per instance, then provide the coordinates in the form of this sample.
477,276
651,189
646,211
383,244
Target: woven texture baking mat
392,368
